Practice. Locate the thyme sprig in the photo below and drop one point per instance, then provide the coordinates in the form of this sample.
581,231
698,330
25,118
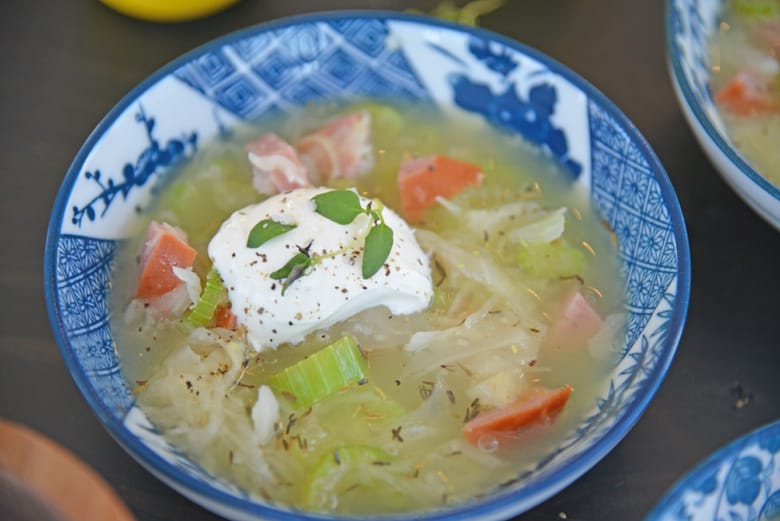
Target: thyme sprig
266,230
339,206
343,207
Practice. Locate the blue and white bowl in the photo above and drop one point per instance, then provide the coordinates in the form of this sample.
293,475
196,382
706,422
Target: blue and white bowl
690,24
274,67
741,482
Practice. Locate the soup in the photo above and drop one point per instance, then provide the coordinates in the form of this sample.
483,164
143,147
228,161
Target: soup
413,320
746,81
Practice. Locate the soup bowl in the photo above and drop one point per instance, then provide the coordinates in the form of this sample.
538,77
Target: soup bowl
690,25
739,481
271,68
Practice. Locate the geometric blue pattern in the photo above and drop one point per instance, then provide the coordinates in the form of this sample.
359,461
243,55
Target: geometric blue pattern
83,269
632,204
290,67
740,482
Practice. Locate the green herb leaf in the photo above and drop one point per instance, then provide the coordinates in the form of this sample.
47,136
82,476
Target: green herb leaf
299,259
297,271
379,242
341,206
294,269
266,230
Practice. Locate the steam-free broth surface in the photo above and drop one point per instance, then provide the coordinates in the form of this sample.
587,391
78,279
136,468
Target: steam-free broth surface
394,441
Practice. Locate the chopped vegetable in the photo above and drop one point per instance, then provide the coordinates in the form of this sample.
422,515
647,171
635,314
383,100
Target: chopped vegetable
338,365
224,317
213,295
165,247
500,388
265,413
367,466
542,228
554,259
538,407
422,180
747,93
385,117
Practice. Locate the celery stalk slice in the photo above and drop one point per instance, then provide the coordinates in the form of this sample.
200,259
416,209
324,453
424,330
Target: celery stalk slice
322,485
336,366
213,294
550,260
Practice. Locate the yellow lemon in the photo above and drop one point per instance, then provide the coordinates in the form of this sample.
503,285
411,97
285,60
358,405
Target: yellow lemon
168,10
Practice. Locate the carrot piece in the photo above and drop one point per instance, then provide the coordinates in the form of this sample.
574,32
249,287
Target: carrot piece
165,247
747,93
224,317
421,180
538,406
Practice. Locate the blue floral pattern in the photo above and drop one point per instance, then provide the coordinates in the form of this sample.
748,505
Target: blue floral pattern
741,482
530,116
274,70
151,161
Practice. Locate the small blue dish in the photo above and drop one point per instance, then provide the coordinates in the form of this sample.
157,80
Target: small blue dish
690,25
275,67
740,482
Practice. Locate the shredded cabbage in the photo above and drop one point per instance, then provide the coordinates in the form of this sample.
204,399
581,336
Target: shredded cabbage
265,414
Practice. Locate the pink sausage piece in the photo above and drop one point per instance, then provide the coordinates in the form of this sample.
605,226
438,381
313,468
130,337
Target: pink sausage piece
574,324
339,150
276,167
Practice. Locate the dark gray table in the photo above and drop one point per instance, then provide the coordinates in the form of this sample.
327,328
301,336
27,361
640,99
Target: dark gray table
63,65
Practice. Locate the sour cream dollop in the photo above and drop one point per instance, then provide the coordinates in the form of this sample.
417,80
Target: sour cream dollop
335,289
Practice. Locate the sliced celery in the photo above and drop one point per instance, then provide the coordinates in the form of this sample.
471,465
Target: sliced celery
441,300
361,465
548,260
337,366
387,118
213,295
757,8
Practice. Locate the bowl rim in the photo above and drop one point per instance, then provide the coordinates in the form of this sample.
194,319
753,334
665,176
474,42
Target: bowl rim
705,466
724,145
498,505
